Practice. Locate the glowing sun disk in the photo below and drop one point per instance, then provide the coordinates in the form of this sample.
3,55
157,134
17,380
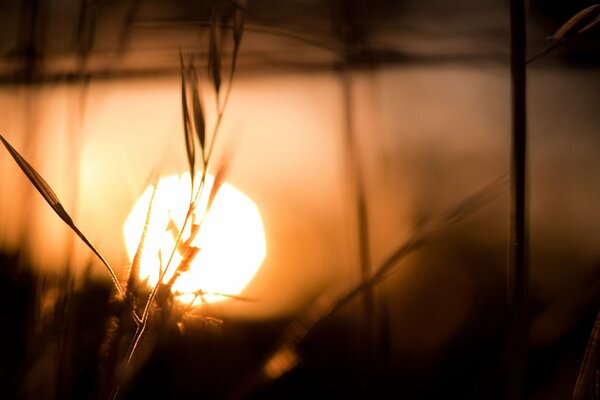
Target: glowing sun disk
231,239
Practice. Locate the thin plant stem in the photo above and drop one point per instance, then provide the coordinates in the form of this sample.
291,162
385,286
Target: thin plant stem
423,235
193,204
220,112
325,306
587,378
517,279
361,210
206,162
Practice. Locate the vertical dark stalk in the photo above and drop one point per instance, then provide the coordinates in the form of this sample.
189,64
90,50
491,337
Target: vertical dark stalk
360,207
517,270
352,33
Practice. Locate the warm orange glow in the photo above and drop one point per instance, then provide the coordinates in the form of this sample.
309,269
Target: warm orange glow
231,239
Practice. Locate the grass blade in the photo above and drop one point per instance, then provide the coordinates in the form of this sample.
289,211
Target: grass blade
219,179
238,30
214,54
40,184
48,194
238,27
587,371
217,183
198,110
579,23
132,281
324,306
229,296
187,125
427,232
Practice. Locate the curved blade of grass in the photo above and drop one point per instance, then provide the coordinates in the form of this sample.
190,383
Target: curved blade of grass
238,30
187,124
238,27
229,296
198,110
217,182
48,194
577,24
587,372
214,54
423,235
325,307
132,281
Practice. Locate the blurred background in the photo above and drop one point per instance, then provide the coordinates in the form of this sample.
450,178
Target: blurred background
355,122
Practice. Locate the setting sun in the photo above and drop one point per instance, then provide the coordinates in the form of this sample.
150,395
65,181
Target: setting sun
231,239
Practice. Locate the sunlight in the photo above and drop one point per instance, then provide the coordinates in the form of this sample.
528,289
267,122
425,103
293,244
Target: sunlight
231,239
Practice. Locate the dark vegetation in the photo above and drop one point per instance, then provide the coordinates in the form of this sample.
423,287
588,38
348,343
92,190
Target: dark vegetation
67,341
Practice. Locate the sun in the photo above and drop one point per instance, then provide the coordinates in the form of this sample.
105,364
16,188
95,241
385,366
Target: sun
231,239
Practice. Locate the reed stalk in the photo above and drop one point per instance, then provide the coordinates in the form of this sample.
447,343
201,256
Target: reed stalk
518,274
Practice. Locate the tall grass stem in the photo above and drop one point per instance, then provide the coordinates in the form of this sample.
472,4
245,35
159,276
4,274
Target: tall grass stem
360,204
518,266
